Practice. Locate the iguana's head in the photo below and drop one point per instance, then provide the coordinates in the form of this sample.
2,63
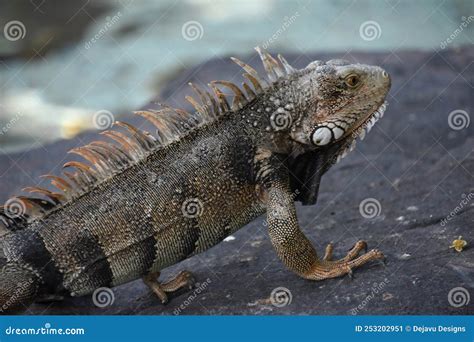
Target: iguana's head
338,101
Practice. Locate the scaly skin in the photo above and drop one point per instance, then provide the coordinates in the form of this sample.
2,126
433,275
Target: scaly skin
185,197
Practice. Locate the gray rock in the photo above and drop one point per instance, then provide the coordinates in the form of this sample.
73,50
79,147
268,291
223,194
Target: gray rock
412,158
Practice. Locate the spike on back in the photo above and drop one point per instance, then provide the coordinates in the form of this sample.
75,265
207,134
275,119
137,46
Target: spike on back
270,64
128,145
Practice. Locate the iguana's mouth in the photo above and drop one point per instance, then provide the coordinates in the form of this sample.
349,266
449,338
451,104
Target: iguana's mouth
361,130
368,123
338,129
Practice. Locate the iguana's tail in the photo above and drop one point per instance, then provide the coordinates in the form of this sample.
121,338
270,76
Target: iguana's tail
18,287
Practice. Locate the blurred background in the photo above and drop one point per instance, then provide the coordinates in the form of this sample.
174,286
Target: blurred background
63,61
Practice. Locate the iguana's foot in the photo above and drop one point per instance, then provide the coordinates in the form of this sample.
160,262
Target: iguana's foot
184,279
327,268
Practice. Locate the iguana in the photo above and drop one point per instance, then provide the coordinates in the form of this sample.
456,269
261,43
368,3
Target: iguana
141,202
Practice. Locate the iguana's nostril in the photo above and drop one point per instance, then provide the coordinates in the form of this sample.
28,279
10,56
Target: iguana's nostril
384,74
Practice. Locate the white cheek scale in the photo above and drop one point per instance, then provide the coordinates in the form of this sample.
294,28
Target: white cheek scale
322,136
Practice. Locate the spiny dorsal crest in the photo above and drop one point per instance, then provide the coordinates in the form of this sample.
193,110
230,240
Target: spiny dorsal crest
128,144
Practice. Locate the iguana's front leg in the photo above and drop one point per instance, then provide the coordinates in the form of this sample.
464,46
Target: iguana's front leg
291,245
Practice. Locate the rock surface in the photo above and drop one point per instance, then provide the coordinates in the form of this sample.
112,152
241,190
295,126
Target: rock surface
413,163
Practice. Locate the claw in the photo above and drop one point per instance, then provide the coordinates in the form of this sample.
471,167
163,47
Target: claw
355,250
328,252
362,246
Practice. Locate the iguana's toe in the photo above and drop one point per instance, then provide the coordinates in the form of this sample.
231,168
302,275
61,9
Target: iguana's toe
355,250
184,279
328,252
151,280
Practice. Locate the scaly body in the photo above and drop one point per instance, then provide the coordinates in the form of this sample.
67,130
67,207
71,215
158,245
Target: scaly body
147,203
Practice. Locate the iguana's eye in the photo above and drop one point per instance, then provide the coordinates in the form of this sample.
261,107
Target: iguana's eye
352,81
